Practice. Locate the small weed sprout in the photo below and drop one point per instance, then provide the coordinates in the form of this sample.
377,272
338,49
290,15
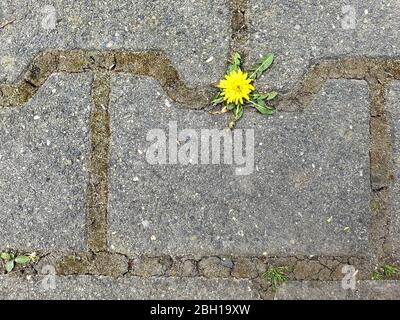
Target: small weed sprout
276,276
376,275
389,270
11,260
385,271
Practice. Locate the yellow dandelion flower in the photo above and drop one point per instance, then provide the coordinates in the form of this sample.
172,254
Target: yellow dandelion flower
236,87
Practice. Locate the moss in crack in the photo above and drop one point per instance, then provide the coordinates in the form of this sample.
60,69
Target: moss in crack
381,168
239,27
147,63
215,267
43,65
96,218
101,263
16,95
151,266
157,65
358,68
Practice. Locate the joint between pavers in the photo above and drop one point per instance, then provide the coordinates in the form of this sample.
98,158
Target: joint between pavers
154,64
100,135
351,68
103,263
239,27
381,171
251,268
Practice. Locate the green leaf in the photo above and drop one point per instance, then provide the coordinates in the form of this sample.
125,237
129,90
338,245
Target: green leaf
260,102
271,95
263,64
261,107
230,106
265,110
238,112
10,265
22,259
217,99
231,68
235,62
5,256
236,59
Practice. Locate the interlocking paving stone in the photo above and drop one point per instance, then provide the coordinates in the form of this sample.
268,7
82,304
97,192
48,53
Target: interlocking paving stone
91,287
332,290
193,33
43,155
376,290
311,290
309,166
97,287
393,107
300,32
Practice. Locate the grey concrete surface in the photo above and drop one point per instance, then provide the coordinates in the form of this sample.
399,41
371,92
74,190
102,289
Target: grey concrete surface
308,167
311,290
376,290
333,290
91,287
194,34
302,32
43,159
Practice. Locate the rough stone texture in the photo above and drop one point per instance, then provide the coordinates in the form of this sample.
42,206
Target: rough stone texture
311,290
376,290
333,290
151,266
393,108
308,167
248,268
194,34
308,270
101,263
43,158
90,287
184,268
300,32
214,267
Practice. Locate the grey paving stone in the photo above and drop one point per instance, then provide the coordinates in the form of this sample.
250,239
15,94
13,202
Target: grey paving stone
43,156
376,290
311,290
332,290
194,34
308,167
393,108
90,287
300,32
